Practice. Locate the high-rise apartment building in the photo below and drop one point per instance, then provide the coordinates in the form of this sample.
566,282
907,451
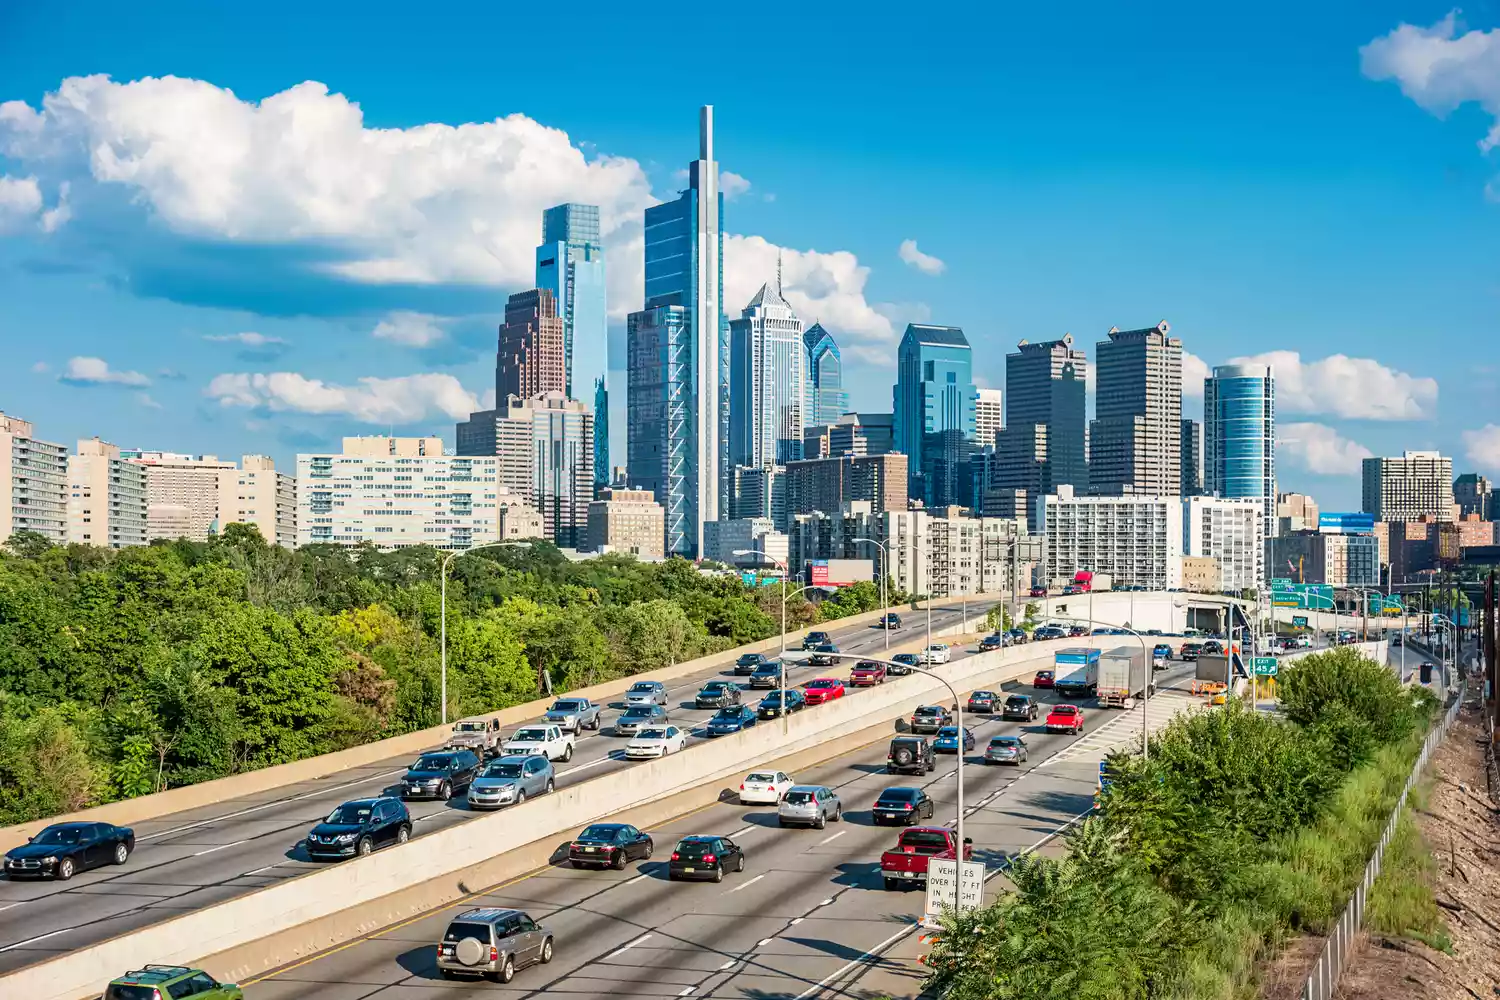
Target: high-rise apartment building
1043,444
989,416
397,492
265,498
826,484
1232,533
934,410
531,359
545,447
758,491
185,493
679,357
1138,540
827,398
1295,512
1474,494
106,497
756,537
1407,488
33,483
768,382
1192,458
1239,437
629,521
1135,439
570,264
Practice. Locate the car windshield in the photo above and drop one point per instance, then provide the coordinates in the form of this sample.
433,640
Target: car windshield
503,769
925,841
469,727
1016,702
644,687
599,831
350,813
773,699
1064,710
638,712
762,777
458,931
948,731
566,706
58,835
1005,741
730,714
828,647
822,684
767,668
714,687
1044,673
532,735
433,762
898,796
130,991
930,711
799,798
653,734
749,657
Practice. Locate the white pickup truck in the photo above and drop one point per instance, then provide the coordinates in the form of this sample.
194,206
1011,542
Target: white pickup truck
551,740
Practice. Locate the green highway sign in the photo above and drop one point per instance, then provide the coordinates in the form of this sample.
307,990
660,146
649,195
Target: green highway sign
1265,666
1281,583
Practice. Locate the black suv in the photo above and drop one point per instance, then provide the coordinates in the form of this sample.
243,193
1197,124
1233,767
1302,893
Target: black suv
910,755
439,775
718,694
1020,708
891,620
746,664
814,639
356,828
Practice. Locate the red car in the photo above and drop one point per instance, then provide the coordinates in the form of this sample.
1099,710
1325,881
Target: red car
1065,719
1043,679
1038,591
867,673
823,689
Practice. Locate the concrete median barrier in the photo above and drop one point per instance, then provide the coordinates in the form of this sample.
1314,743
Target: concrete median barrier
320,910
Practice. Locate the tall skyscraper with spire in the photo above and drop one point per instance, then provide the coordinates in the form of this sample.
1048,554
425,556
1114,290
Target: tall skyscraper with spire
768,390
678,397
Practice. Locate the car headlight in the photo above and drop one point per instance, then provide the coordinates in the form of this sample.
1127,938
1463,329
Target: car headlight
50,859
347,838
506,791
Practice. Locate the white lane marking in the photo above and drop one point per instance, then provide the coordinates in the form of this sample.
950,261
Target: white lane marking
687,992
742,830
636,879
829,840
580,767
826,902
727,965
42,937
237,843
8,906
623,949
798,921
746,884
259,870
763,942
873,952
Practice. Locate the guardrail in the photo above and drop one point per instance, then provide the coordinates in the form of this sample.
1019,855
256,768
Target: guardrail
1323,981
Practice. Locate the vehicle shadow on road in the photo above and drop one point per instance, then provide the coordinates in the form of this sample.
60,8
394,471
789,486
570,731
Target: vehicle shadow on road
864,874
868,768
298,852
1070,804
765,819
419,962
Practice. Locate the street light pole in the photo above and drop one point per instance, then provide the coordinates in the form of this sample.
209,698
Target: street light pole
443,612
885,558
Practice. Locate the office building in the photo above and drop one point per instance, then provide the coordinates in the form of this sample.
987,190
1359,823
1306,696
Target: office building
1138,540
518,519
817,441
1339,560
934,410
758,491
1042,446
1239,437
545,447
628,521
601,433
750,535
767,382
570,265
1192,458
1230,532
835,534
989,416
1296,512
679,358
187,496
1200,575
827,398
1135,439
1474,495
1418,484
106,497
531,359
263,497
851,434
33,483
395,493
826,484
947,553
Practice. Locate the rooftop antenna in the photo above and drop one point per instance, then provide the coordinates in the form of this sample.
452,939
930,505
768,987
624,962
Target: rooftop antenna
778,272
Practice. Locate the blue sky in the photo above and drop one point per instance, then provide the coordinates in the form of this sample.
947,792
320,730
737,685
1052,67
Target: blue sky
1249,176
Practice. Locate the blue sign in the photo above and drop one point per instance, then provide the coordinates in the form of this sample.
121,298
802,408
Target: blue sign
1352,523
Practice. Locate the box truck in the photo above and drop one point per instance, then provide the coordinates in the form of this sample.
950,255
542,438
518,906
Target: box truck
1075,673
1124,674
1213,668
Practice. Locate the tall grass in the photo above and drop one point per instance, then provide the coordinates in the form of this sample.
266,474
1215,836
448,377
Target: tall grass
1402,902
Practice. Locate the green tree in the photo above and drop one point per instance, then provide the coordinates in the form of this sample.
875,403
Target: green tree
45,767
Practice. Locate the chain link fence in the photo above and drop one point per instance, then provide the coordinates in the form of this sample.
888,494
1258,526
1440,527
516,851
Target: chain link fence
1324,979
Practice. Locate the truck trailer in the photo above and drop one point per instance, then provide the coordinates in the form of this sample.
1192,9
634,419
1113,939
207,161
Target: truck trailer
1124,674
1076,673
1213,668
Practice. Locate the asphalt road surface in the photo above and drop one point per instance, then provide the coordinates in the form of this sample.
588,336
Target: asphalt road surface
197,858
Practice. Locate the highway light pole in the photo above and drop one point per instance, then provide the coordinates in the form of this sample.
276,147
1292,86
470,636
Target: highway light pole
885,558
781,661
443,613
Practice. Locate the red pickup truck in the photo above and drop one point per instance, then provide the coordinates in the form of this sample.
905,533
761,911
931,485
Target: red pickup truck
906,863
1065,719
867,673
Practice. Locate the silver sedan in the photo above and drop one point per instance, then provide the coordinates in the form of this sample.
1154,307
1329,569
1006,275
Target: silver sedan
646,693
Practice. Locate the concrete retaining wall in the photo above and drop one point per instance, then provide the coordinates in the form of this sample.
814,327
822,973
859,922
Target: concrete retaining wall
361,885
173,800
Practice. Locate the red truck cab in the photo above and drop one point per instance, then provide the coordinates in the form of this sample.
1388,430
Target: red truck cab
1065,719
906,863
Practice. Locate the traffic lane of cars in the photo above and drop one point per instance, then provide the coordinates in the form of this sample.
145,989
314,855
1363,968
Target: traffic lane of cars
201,862
788,876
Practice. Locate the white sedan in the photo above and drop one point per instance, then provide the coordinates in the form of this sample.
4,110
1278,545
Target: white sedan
656,742
936,653
764,788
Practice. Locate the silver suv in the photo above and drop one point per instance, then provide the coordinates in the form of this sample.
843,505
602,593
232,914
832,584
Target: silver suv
809,805
511,780
494,943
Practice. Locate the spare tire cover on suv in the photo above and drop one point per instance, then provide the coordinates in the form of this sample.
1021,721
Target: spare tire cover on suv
904,754
471,952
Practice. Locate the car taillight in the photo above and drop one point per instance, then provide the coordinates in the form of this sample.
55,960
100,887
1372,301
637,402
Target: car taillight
742,786
676,856
709,859
494,954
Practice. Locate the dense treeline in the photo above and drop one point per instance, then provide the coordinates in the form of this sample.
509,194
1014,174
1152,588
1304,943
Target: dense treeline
1240,829
123,672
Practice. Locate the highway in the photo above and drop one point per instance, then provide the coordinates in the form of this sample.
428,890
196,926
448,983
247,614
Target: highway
197,858
806,917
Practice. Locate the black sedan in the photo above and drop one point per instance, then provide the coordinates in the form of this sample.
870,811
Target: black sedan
609,845
902,664
990,643
63,849
746,664
902,805
731,720
767,675
825,655
982,702
770,706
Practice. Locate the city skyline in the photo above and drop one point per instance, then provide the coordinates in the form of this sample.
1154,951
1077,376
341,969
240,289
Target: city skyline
177,321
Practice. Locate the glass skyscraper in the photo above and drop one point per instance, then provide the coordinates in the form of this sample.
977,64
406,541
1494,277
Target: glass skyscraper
767,390
570,263
682,336
827,399
934,410
1239,437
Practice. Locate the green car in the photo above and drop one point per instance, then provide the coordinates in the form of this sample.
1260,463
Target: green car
170,982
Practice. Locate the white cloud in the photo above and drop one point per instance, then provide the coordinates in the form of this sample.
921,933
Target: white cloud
1440,69
20,201
144,398
924,262
403,400
96,371
1353,388
1483,447
1194,371
1320,449
411,329
248,339
732,184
